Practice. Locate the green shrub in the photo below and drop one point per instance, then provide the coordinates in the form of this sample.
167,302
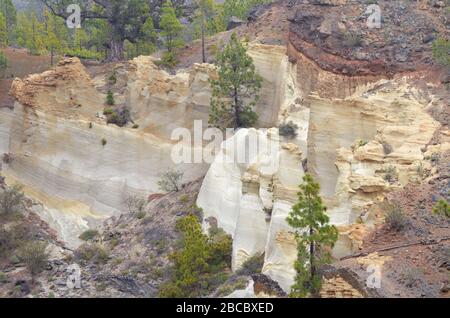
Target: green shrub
253,265
104,142
34,256
169,60
94,253
395,219
213,49
113,78
288,130
441,51
84,54
221,245
12,200
3,278
171,181
198,212
135,204
14,260
361,143
184,198
231,286
108,111
352,40
390,174
119,117
421,171
442,208
200,261
3,64
411,276
88,235
140,215
110,98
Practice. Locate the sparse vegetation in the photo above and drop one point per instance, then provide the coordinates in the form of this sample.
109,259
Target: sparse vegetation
3,64
140,215
119,116
135,204
108,111
3,278
12,238
34,256
288,130
235,283
110,98
113,78
390,174
395,218
361,143
171,181
411,276
168,59
104,142
442,208
94,253
252,266
11,201
352,39
89,235
441,51
421,171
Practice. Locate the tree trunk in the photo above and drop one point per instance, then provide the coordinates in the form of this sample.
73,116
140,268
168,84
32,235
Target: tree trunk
52,54
237,114
115,53
203,42
311,255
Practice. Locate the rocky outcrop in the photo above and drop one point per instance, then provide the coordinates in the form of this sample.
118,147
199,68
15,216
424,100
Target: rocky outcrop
67,157
359,148
163,102
251,200
354,38
56,135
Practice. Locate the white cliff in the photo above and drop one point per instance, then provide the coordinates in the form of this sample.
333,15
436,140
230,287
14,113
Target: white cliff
350,145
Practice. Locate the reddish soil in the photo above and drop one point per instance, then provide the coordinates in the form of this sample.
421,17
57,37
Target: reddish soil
20,65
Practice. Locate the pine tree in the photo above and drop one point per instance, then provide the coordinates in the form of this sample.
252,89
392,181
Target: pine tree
147,39
3,31
190,263
314,236
51,39
171,28
204,12
9,12
236,91
201,261
33,32
3,64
